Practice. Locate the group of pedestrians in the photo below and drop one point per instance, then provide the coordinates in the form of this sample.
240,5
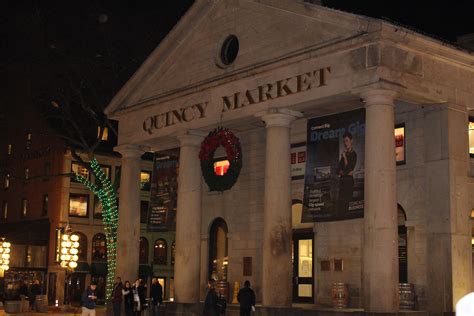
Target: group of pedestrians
213,306
133,298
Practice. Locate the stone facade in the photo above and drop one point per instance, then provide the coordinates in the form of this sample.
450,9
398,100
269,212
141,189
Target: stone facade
298,61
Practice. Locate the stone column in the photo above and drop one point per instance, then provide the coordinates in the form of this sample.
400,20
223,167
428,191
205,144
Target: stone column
380,265
449,252
128,235
277,268
188,220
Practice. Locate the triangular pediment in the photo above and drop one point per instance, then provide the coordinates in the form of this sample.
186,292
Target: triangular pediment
268,31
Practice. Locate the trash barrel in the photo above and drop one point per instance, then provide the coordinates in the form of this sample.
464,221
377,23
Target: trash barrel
41,303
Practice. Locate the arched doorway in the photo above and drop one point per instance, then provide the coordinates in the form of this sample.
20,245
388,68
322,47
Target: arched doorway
218,259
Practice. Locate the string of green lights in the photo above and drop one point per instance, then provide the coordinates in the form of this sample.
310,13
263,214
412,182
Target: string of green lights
107,195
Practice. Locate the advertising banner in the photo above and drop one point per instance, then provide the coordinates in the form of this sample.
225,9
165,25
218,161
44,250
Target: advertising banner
164,194
334,177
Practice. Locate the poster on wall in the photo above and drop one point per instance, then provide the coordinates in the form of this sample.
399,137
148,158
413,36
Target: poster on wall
298,160
164,193
334,176
400,144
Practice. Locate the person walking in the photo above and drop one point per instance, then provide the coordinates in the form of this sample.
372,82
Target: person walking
117,296
156,294
127,298
246,298
88,300
210,304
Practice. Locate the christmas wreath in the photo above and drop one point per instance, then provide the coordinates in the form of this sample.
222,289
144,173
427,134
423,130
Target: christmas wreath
225,138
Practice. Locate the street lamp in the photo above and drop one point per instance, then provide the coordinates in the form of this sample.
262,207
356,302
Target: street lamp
69,250
4,255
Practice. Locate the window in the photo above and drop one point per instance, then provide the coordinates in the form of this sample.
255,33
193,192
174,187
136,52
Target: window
400,144
5,210
29,136
9,149
143,256
79,170
471,136
7,181
145,180
143,211
221,167
24,207
82,250
229,50
173,251
106,170
105,134
27,173
117,177
99,248
159,252
44,210
78,204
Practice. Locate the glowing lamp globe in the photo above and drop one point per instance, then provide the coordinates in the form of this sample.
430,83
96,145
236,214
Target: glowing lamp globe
73,264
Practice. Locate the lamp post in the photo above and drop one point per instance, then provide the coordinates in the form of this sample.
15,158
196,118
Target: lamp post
69,251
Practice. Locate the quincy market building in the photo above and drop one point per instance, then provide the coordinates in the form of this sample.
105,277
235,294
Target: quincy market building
292,77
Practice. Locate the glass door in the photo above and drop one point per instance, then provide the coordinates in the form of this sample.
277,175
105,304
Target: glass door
303,278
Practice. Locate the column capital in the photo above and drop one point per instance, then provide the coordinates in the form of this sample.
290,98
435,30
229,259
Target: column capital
131,150
378,96
278,117
192,138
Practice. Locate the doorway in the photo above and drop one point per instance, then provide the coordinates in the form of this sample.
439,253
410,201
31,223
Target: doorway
303,271
218,260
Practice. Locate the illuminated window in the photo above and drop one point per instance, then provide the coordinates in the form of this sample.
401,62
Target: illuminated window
27,173
145,180
99,248
5,210
78,204
221,167
400,144
471,135
105,134
80,170
24,208
29,136
143,255
9,149
7,181
160,252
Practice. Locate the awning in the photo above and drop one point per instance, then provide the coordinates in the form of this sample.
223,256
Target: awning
144,270
99,268
27,232
82,267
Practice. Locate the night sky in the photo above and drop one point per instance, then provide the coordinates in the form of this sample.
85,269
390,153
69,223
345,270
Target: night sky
105,41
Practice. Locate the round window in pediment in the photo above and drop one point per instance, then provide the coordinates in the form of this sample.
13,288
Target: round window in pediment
229,50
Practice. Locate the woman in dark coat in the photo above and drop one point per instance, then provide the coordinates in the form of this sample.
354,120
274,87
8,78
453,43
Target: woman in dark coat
138,291
210,304
127,299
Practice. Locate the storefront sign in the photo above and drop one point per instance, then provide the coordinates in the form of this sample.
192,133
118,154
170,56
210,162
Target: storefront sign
298,161
334,177
262,93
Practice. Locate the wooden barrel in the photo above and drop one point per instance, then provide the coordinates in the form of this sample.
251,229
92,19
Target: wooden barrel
222,289
406,292
12,307
340,295
41,303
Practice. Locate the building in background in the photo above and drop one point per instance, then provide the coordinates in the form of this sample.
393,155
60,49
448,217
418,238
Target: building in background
39,198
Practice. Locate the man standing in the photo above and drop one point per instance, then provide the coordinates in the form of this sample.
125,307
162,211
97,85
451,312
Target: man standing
117,296
246,298
35,290
88,300
156,296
